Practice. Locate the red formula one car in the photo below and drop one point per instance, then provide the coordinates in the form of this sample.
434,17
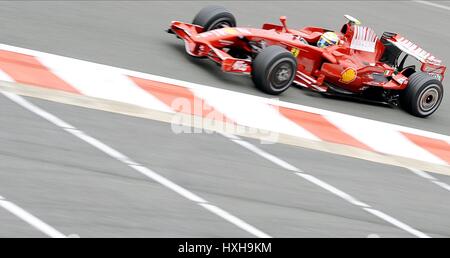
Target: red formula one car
359,64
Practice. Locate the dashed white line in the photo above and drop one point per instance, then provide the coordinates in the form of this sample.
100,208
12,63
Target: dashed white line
433,4
332,189
430,178
422,174
443,185
101,146
396,222
233,219
136,166
49,117
266,155
30,219
169,184
326,186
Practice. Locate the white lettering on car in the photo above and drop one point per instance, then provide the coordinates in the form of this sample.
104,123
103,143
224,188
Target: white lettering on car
240,66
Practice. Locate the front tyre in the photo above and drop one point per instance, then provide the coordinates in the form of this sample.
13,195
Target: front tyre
273,70
214,17
423,95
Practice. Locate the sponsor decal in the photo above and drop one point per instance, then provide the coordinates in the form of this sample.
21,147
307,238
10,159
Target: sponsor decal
400,79
414,50
436,76
295,51
348,75
240,66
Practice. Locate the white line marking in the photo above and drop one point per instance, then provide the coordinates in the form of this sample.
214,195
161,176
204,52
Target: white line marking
39,112
230,136
396,223
266,155
422,174
431,178
443,185
101,146
332,189
235,220
326,186
169,184
139,168
30,219
433,4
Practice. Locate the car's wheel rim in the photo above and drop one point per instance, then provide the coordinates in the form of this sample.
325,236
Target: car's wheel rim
429,99
280,75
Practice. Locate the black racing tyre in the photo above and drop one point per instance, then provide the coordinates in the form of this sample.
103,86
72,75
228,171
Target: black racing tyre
423,95
273,70
214,17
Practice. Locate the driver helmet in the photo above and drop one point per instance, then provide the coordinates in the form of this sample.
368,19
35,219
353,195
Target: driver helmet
328,39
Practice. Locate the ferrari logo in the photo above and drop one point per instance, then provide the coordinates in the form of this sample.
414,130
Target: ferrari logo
295,51
348,75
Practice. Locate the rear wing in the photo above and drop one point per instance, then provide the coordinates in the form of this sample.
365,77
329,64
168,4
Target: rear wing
412,49
430,63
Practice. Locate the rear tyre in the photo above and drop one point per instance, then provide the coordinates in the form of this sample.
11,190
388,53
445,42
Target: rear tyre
273,70
214,17
423,95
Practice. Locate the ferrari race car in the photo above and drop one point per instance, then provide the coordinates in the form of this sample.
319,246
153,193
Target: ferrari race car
360,65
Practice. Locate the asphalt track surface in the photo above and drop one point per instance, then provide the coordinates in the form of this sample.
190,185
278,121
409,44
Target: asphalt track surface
79,190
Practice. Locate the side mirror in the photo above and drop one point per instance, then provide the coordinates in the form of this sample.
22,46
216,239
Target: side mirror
283,21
